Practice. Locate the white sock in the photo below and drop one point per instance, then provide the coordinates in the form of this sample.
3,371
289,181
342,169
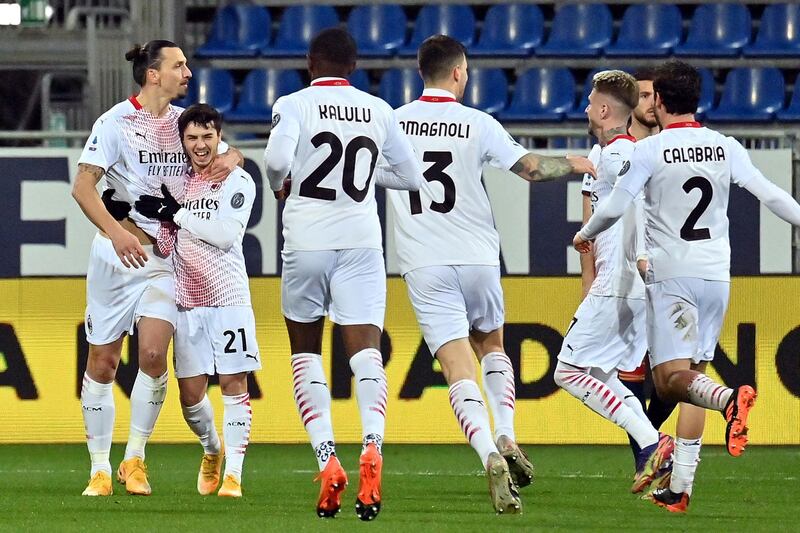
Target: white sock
684,465
601,399
370,377
97,403
618,387
498,385
236,420
200,419
313,401
472,416
147,398
704,392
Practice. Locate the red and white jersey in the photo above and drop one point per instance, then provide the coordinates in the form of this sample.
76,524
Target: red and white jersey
686,171
139,152
207,276
616,249
340,132
449,221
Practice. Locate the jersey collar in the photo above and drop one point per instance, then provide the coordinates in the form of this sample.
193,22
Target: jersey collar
437,95
329,82
631,138
689,124
134,102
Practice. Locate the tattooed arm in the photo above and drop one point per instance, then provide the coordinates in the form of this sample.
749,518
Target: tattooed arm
84,191
534,167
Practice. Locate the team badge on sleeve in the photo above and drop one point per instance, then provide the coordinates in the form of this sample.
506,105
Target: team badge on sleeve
237,201
625,168
275,119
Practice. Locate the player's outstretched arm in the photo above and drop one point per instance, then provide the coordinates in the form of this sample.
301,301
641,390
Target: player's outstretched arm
278,159
84,191
587,260
776,199
602,219
406,176
223,165
534,167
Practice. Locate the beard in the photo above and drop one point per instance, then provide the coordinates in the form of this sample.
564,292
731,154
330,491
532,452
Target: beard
642,118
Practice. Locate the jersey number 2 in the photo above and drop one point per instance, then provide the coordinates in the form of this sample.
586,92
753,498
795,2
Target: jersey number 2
440,160
688,231
310,187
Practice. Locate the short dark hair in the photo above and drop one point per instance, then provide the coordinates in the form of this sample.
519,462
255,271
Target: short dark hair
438,55
678,85
334,45
200,114
145,56
645,74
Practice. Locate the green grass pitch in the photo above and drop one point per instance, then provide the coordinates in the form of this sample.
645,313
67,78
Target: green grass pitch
426,488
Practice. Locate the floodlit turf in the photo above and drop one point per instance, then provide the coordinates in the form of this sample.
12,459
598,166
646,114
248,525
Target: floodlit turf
426,488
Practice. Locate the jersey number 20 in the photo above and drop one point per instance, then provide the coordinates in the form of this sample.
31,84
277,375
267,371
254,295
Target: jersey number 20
310,187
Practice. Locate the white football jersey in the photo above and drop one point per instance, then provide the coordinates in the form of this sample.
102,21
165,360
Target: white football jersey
615,249
207,276
686,171
340,132
139,152
449,221
588,179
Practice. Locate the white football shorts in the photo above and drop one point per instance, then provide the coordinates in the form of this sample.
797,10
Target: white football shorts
220,340
349,284
452,300
606,333
117,297
684,318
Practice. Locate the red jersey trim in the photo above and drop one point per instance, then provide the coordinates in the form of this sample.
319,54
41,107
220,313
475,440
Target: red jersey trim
437,99
327,83
629,137
136,105
690,124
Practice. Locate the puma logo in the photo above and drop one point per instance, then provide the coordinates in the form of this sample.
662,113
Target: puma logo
473,400
376,380
254,357
140,135
318,383
490,372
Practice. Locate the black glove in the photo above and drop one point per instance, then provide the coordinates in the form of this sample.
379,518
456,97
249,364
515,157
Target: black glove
162,209
119,210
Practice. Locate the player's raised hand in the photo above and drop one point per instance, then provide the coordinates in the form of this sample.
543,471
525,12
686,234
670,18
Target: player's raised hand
581,245
162,209
581,165
128,249
284,191
221,167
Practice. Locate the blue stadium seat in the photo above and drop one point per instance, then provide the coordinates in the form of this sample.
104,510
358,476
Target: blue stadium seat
510,30
400,86
648,30
487,90
792,113
750,95
360,80
579,30
457,21
708,92
541,94
579,113
260,90
210,86
237,31
778,34
717,30
379,29
299,24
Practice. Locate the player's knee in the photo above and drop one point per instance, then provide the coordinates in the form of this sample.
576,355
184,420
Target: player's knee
563,373
102,365
152,360
191,397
